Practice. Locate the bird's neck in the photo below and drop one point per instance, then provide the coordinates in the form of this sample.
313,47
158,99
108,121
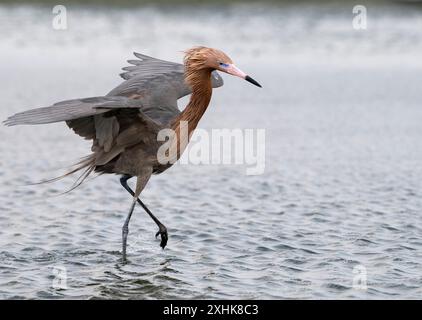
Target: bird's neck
198,103
188,120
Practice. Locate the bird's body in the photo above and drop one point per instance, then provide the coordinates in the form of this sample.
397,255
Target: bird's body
124,124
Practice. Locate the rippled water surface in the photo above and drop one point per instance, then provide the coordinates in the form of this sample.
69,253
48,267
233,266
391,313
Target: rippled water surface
340,198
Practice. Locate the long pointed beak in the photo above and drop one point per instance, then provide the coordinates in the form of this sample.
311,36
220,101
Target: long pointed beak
235,71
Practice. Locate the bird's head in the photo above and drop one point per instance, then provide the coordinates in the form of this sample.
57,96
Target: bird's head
209,59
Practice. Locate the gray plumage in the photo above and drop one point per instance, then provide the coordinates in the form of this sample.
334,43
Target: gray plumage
130,114
152,86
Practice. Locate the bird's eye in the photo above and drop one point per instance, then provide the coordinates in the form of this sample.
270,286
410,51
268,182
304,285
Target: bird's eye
224,65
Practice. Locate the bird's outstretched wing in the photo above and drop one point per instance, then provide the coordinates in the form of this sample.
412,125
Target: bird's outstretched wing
70,110
96,117
112,123
147,66
157,82
152,85
152,88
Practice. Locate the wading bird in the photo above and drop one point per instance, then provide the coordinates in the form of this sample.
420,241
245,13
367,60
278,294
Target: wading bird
124,124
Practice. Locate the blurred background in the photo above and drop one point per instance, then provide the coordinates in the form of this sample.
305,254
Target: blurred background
336,213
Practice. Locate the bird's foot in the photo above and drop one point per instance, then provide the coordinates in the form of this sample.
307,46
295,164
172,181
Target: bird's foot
164,236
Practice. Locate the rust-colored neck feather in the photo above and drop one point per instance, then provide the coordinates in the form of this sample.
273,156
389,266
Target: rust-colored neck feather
199,100
200,81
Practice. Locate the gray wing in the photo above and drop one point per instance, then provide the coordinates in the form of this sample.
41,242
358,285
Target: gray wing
152,88
84,109
157,82
71,109
95,117
153,85
111,122
146,65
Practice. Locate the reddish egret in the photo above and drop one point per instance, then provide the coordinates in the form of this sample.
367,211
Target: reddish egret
124,124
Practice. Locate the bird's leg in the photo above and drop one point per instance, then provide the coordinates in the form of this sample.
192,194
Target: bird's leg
140,184
125,229
162,230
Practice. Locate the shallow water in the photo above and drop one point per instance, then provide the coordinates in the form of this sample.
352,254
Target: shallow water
341,191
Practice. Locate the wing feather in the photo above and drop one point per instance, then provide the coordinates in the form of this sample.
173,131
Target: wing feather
106,129
70,110
160,82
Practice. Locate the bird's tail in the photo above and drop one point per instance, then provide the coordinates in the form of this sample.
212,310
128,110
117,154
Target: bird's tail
87,164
